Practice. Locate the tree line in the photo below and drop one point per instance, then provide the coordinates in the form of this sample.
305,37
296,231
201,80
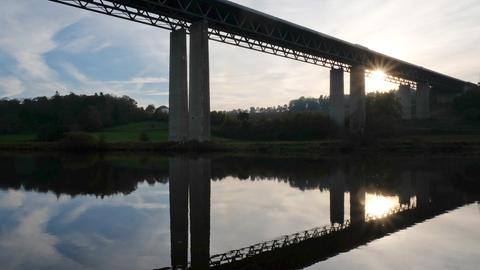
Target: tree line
305,118
50,116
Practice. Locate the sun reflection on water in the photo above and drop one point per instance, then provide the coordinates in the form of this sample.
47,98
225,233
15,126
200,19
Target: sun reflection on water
378,205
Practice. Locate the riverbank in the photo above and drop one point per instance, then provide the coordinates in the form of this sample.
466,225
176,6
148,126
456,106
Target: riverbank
463,145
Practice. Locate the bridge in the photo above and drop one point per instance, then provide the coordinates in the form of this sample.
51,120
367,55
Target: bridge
300,250
230,23
190,191
289,241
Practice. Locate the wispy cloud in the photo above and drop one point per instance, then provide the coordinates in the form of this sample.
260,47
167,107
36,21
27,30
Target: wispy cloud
10,87
84,52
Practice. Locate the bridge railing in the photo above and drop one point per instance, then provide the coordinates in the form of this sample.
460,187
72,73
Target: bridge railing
292,239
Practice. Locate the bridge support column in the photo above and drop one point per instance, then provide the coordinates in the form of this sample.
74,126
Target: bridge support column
404,92
357,100
422,189
199,103
423,101
178,88
200,175
178,187
337,197
357,205
337,104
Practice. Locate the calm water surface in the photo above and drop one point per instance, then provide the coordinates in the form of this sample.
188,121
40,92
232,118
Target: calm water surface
149,212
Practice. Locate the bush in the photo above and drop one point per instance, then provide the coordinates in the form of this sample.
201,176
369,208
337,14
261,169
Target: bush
275,126
383,113
468,105
143,137
80,140
50,133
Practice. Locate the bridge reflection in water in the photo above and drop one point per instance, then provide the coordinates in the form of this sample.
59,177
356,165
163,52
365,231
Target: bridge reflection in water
419,198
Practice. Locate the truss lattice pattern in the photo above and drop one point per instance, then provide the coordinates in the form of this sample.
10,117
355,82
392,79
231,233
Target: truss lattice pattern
233,24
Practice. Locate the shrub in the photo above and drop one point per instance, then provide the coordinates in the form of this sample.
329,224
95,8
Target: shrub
383,113
275,126
79,141
468,105
143,137
50,133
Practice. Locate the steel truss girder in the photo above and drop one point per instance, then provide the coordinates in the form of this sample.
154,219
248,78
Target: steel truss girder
240,26
124,11
289,240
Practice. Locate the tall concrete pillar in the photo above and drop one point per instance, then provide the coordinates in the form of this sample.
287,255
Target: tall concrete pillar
357,100
356,181
404,92
405,189
178,88
200,175
357,204
178,187
337,103
422,189
199,99
337,199
423,101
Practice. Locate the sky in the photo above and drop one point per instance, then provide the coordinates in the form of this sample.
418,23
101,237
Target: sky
47,47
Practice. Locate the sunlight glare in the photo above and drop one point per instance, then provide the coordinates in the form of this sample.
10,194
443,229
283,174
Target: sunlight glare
376,82
378,205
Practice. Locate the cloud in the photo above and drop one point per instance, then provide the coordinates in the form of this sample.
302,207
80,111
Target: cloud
122,57
12,199
10,87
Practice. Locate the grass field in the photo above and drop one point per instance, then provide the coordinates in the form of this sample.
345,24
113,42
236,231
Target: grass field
16,138
155,131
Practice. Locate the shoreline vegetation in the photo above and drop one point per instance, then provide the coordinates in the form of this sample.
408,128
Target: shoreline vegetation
100,123
456,145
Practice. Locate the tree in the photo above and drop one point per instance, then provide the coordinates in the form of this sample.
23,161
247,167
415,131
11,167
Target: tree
383,112
90,119
150,109
468,105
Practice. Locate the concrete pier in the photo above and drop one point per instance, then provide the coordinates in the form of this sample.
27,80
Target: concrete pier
199,98
357,205
337,198
178,189
422,189
423,101
405,190
405,95
200,175
357,100
337,103
178,88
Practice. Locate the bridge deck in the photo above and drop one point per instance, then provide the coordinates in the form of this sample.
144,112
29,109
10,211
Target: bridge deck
292,239
241,26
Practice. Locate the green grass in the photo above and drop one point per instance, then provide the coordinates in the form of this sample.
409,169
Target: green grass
16,138
156,132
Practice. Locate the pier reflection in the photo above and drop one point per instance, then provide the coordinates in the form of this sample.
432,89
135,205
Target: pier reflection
411,197
354,201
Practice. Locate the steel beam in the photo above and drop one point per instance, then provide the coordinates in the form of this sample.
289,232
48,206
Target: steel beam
240,26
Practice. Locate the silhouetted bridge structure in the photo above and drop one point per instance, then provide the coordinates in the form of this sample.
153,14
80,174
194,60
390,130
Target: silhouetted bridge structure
190,191
287,241
230,23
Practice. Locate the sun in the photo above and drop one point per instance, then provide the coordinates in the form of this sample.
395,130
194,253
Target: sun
377,205
377,82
